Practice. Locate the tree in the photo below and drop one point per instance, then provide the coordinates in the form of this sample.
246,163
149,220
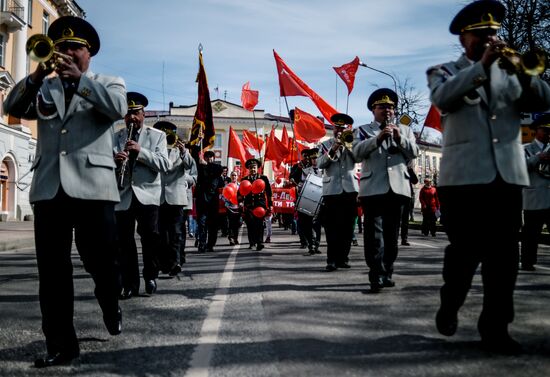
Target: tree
526,26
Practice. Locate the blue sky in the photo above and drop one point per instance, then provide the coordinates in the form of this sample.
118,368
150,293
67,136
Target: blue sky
153,46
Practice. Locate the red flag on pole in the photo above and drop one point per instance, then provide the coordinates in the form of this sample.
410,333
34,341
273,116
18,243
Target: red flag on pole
275,150
308,127
252,144
203,133
284,136
347,73
249,98
433,119
235,147
291,85
295,151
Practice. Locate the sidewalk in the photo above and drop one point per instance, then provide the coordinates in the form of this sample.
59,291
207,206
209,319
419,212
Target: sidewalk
16,234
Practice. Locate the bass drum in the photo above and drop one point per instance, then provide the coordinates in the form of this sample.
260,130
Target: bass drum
309,200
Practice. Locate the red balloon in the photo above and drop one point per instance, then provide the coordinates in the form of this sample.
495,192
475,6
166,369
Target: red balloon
279,180
245,187
259,212
229,193
232,184
258,186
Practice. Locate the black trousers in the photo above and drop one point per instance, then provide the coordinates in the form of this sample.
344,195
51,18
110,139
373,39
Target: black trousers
184,225
255,228
234,221
483,224
146,217
338,216
207,225
170,232
381,232
93,222
533,222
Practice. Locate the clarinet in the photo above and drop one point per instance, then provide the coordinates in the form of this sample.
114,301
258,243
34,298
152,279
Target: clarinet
124,165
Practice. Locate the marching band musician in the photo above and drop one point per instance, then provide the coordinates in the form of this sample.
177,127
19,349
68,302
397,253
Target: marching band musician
143,149
384,149
536,197
297,178
174,183
483,166
74,185
339,193
251,201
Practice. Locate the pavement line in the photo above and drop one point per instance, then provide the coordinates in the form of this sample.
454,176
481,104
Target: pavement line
202,355
426,245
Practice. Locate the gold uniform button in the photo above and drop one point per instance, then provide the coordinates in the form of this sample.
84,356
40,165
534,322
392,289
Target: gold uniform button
478,80
495,140
493,117
64,131
63,153
390,168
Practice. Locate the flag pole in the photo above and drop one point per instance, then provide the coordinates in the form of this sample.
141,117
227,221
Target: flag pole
293,135
336,89
347,104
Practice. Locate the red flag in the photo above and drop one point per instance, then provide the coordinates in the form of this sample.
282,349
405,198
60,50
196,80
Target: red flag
235,147
279,170
249,98
284,136
203,122
252,144
347,73
291,85
433,119
307,127
275,150
295,151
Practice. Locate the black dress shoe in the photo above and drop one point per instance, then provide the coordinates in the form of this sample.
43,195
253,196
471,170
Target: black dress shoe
527,267
405,243
114,323
343,265
57,358
127,293
150,286
376,286
259,247
331,267
175,270
387,282
446,323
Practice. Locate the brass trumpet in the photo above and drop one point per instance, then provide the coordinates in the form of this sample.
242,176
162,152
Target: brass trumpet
532,62
346,138
171,138
41,48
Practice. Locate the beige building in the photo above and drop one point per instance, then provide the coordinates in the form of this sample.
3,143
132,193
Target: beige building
19,19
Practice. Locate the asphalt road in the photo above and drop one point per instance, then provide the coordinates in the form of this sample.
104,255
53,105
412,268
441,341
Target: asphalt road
239,312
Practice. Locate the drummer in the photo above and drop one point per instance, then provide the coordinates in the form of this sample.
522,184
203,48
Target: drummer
310,224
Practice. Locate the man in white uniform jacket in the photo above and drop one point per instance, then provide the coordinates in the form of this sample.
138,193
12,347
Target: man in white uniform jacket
144,157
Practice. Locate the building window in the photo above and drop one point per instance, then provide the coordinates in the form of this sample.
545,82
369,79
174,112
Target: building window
2,49
29,13
218,141
45,22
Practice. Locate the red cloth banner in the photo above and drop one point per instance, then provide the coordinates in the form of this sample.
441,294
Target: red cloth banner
235,147
249,98
275,150
308,127
433,119
291,85
347,73
284,199
252,144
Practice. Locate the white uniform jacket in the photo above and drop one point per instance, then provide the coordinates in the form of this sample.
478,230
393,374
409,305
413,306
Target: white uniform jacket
151,161
338,172
382,171
74,143
177,180
481,133
537,195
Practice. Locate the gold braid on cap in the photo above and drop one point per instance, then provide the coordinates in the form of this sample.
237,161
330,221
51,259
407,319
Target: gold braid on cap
134,106
68,36
487,22
384,99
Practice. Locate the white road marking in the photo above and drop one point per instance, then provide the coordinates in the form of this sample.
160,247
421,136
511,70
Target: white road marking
200,360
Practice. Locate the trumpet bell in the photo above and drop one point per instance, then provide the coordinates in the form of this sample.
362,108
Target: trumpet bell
40,48
171,139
